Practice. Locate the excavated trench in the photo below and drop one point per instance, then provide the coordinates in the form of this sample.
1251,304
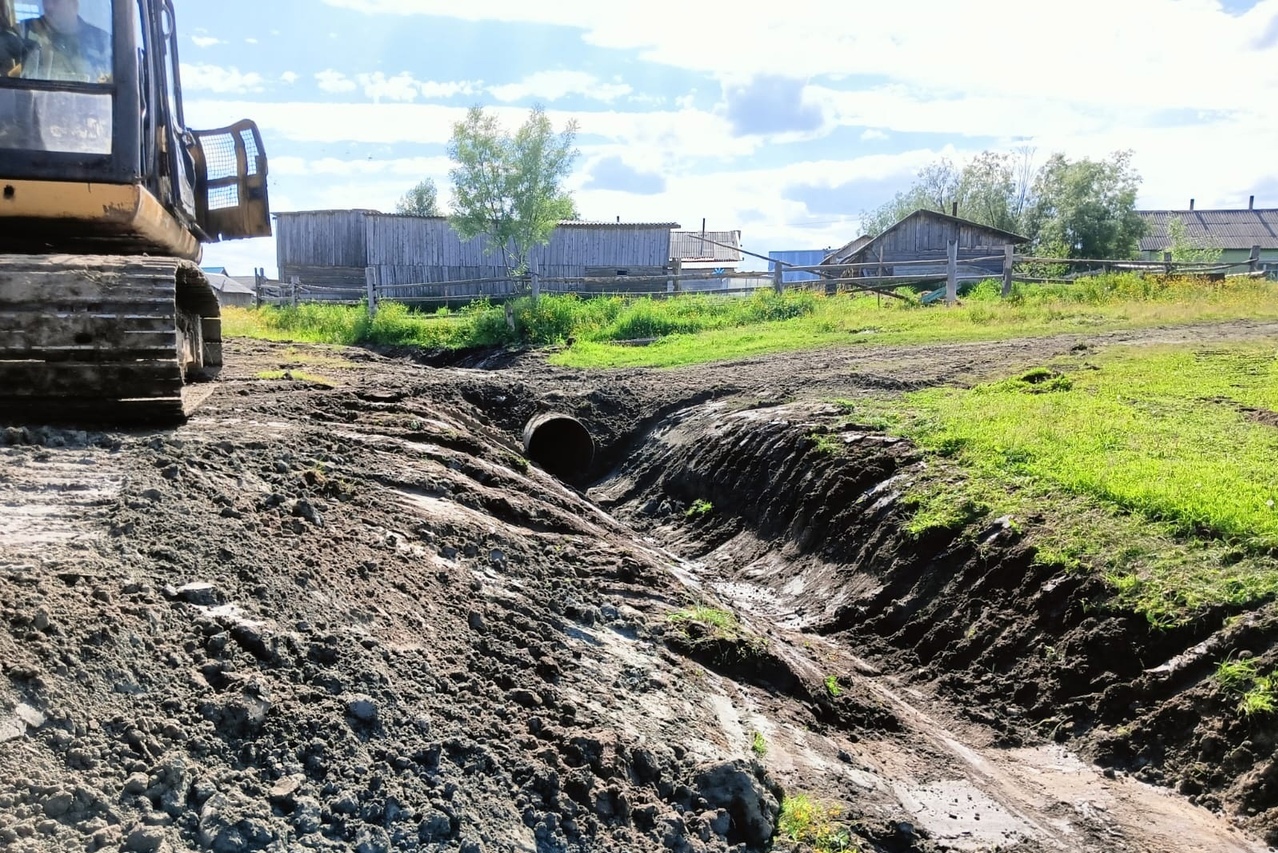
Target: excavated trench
812,540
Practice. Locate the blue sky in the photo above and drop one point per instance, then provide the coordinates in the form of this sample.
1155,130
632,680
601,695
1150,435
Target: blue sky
784,122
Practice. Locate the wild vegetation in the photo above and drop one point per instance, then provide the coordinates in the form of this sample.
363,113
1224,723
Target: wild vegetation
1152,464
1067,208
695,328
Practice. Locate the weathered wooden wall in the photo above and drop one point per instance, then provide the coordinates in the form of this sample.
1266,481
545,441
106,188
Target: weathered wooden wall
925,236
334,248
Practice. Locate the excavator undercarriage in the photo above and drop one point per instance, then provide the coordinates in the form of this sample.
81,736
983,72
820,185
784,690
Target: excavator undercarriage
106,197
105,339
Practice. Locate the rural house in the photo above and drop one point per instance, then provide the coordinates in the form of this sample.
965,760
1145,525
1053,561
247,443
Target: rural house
719,253
344,249
722,254
925,235
1233,232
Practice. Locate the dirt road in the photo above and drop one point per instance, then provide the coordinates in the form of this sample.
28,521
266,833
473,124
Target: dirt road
340,611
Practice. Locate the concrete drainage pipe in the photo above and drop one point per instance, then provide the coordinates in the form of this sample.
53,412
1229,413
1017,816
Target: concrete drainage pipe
559,444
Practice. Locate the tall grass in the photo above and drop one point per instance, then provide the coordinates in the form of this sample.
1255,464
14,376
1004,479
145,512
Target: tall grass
550,320
702,327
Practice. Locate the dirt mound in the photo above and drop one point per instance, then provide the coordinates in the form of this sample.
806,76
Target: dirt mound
348,614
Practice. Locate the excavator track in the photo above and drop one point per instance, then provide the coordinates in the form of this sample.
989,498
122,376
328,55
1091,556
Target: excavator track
105,340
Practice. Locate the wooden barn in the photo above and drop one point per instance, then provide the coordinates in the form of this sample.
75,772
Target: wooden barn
341,249
925,235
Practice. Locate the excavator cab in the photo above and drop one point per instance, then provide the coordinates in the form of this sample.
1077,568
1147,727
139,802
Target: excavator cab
106,197
102,104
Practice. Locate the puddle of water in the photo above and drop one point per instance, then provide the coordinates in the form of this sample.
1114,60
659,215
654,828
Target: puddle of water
961,816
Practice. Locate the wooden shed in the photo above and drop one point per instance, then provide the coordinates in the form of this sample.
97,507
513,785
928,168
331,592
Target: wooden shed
925,235
341,248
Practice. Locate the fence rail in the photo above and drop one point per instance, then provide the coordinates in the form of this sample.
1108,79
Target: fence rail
832,278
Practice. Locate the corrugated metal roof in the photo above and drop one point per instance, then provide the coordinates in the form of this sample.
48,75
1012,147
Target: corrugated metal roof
583,223
1213,229
847,250
687,246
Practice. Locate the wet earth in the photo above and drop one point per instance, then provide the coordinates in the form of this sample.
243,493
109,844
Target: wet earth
341,610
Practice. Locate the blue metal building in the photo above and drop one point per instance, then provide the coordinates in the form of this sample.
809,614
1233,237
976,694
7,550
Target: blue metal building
798,257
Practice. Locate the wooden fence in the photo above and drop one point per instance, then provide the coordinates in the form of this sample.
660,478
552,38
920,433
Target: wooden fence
833,278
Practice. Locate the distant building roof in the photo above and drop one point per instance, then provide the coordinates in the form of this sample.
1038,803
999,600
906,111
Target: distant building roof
1216,229
688,246
847,250
861,245
226,284
566,223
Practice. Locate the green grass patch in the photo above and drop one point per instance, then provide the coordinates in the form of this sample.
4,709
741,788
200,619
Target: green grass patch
1236,674
695,328
832,686
1152,465
297,376
1262,698
721,620
1120,301
805,820
758,744
1257,694
699,508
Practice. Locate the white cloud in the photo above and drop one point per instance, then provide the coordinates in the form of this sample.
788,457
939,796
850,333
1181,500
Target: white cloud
224,81
405,88
873,135
288,78
334,81
680,135
206,41
401,87
554,85
250,41
1146,53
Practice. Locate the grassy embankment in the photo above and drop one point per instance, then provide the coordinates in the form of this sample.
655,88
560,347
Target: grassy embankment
1153,465
692,329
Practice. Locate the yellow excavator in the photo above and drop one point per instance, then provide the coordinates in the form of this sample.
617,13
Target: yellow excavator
106,198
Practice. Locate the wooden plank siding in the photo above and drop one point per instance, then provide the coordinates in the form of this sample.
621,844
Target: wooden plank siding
926,235
318,247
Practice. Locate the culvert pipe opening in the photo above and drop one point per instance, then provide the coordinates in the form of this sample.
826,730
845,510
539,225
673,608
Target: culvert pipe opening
559,444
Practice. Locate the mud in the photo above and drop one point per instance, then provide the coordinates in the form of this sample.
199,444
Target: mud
356,618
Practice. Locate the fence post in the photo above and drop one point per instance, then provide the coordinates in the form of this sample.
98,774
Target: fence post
370,281
258,275
1167,262
293,282
1008,255
1253,260
778,283
536,280
951,273
676,269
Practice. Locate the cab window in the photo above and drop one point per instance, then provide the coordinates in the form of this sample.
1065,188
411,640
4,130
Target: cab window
62,40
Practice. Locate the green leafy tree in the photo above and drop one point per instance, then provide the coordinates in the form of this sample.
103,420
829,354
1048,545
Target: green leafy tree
1187,250
421,200
936,187
1088,206
510,188
992,189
